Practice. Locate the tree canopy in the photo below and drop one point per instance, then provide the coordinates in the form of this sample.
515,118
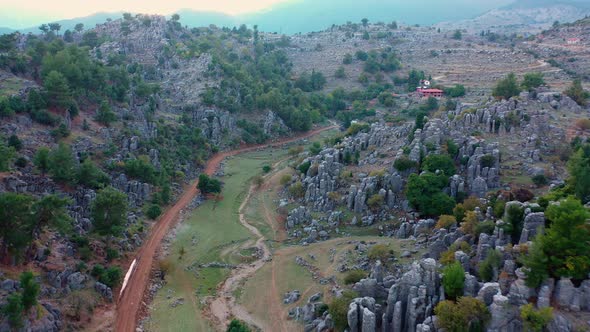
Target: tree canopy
507,87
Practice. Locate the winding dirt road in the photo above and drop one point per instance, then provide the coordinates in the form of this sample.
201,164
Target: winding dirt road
130,301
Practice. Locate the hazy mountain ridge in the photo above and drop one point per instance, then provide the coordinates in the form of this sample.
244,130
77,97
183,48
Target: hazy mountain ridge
523,17
307,15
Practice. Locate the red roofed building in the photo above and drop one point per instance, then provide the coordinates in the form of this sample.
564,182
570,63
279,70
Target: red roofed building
436,93
573,41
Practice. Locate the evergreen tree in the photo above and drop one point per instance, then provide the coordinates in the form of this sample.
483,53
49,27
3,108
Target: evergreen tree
41,159
30,290
532,80
105,115
577,93
563,250
453,280
507,87
57,88
16,222
109,211
61,163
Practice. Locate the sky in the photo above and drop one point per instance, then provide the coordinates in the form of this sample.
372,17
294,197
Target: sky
27,13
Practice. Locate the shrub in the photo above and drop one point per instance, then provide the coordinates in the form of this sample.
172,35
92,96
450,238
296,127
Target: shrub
539,180
208,185
112,253
468,314
445,221
140,168
440,162
315,148
532,80
285,179
303,168
453,280
562,251
507,87
338,309
375,202
513,218
535,320
266,168
523,195
354,276
485,227
238,326
153,211
296,190
487,161
379,252
30,290
425,194
583,124
577,93
488,268
403,164
498,208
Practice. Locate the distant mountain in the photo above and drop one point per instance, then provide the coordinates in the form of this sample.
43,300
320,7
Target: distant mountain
198,19
524,16
312,15
532,4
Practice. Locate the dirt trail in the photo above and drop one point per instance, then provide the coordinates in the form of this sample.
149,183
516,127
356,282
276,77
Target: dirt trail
223,307
131,300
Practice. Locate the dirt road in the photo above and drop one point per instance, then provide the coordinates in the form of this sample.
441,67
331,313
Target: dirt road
130,301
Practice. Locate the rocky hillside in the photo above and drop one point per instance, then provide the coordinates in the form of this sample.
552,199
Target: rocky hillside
564,46
523,17
386,177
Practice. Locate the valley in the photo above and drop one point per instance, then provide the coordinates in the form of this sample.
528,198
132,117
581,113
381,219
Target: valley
371,176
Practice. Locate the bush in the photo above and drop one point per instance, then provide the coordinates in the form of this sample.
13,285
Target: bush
208,185
140,168
488,268
425,194
485,227
296,190
562,251
453,280
487,161
110,276
112,254
403,164
435,162
285,179
266,168
238,326
507,87
539,180
153,211
583,124
523,195
338,309
354,276
532,80
375,202
303,168
535,320
468,314
90,175
577,93
445,221
379,252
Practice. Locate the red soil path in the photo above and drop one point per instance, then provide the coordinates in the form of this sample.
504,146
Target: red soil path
130,302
